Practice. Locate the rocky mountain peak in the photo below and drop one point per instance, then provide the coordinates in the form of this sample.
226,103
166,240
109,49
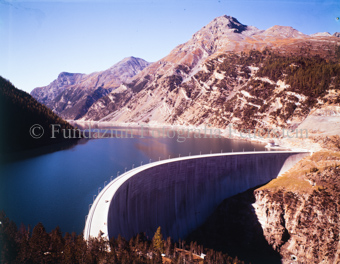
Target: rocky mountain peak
130,58
67,78
283,32
130,61
126,68
220,34
336,34
221,27
228,22
65,74
321,34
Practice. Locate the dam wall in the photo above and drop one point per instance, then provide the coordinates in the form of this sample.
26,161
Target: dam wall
179,194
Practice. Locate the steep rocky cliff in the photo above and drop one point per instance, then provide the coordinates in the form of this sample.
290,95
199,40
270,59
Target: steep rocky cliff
299,212
72,94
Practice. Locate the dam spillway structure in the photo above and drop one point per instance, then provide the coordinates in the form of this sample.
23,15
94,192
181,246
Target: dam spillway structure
179,194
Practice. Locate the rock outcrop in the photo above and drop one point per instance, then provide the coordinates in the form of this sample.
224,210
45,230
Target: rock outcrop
299,212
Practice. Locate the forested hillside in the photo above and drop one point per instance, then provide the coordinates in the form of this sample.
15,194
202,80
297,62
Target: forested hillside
19,111
38,246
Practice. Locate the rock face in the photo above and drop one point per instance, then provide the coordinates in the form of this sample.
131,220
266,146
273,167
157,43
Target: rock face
299,212
225,75
71,94
47,94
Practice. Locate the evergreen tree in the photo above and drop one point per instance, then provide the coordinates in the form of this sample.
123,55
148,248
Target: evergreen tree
81,249
112,256
16,246
8,245
57,244
69,256
157,241
24,254
39,244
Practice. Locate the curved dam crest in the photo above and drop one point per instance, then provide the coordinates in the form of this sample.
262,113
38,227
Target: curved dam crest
179,194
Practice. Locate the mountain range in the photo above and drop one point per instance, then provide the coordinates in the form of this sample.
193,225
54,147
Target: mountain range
71,94
227,73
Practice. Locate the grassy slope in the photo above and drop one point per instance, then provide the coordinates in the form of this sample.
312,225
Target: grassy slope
300,177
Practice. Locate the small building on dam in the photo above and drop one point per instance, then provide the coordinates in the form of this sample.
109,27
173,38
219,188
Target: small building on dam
179,194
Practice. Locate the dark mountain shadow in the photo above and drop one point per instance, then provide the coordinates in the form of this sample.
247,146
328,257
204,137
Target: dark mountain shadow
9,157
234,229
26,126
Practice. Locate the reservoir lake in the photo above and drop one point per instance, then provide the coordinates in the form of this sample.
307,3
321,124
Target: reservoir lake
57,188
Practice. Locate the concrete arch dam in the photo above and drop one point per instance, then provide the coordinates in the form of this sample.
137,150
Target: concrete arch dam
179,194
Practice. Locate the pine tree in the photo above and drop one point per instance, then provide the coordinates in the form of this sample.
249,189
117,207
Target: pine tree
81,249
57,244
157,241
8,244
24,254
39,244
69,249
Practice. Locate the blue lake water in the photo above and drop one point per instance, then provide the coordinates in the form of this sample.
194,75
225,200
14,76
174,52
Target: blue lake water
57,188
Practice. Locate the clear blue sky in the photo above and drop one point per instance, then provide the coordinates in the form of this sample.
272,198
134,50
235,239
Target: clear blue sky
40,39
